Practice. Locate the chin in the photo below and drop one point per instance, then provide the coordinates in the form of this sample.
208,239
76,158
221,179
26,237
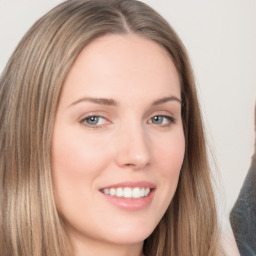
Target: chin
130,235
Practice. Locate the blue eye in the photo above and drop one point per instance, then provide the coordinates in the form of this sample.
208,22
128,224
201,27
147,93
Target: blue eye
162,120
93,121
157,119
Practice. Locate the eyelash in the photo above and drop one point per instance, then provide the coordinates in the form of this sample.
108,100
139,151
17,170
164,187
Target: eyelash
170,120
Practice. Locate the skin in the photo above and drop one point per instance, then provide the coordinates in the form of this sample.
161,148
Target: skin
124,143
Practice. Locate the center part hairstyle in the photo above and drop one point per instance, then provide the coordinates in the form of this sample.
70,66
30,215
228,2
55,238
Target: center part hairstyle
30,89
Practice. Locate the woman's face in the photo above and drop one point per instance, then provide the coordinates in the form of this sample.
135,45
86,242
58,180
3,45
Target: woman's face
118,142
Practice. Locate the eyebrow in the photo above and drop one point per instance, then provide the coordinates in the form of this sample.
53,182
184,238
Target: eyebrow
100,101
111,102
166,99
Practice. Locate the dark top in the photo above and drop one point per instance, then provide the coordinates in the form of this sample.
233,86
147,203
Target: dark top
243,214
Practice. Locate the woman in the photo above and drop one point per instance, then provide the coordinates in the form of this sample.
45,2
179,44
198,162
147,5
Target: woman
102,145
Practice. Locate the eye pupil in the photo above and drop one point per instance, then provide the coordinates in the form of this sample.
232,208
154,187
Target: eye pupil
157,119
93,120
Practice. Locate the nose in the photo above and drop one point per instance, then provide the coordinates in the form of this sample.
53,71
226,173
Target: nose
132,147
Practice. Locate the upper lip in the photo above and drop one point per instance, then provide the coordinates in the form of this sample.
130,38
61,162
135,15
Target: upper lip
131,184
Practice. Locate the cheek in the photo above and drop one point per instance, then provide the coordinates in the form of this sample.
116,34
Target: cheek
77,156
168,159
170,155
77,162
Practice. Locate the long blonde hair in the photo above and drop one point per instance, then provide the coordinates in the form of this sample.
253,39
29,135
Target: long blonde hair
30,88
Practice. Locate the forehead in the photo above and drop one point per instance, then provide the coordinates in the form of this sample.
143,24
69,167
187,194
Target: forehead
118,65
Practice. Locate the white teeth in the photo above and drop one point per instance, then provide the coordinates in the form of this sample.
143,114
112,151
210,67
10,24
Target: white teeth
136,193
119,192
142,192
127,192
112,191
107,191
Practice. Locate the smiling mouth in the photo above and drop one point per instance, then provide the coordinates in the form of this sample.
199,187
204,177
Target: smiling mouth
127,192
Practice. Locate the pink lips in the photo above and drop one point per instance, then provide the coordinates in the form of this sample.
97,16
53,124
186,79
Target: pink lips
130,203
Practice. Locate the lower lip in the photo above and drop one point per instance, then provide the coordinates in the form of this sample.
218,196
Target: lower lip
131,203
